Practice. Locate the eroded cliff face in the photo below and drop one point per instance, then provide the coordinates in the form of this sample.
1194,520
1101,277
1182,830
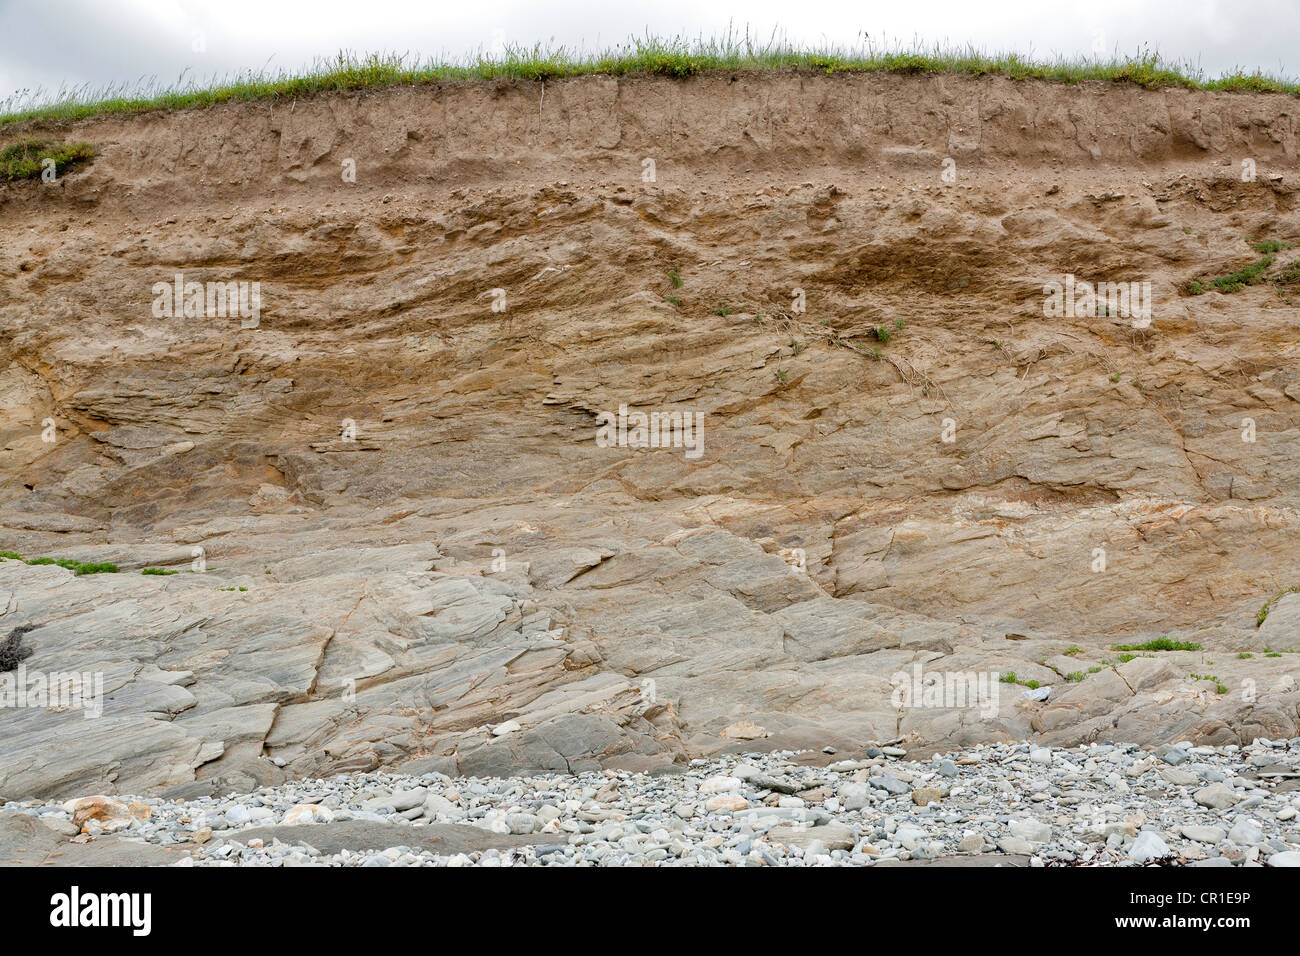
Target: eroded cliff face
412,534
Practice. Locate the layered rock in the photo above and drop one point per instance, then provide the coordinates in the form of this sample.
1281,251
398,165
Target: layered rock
445,565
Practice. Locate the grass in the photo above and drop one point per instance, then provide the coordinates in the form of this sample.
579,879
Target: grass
1270,246
159,571
1073,650
1219,685
674,57
24,159
76,567
1010,678
1268,605
1253,274
1159,644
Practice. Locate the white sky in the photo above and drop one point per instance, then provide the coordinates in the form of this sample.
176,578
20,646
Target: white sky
56,43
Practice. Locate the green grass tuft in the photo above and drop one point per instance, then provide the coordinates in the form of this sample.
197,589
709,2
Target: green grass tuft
1219,686
23,160
677,58
77,567
1268,605
1159,644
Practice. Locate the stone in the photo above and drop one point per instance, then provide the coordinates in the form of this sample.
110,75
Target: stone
855,795
398,801
830,835
889,783
238,816
1147,847
721,785
744,730
103,812
1216,796
726,801
1033,831
307,813
1246,833
924,795
1203,834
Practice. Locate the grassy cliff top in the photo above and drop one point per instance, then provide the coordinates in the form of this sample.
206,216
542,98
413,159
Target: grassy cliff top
677,58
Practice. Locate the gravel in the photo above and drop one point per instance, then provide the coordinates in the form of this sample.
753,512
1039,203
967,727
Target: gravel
1094,805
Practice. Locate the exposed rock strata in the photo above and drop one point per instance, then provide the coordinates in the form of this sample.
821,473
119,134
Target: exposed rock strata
473,558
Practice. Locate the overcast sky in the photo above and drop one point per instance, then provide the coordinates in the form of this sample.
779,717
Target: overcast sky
50,44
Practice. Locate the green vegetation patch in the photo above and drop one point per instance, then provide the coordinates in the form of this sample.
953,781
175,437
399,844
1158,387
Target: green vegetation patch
1254,274
76,567
25,159
1220,687
676,57
1268,605
1010,678
1159,644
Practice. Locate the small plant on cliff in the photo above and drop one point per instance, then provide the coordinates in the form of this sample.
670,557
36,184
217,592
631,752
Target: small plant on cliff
1218,684
1269,246
77,567
881,333
26,158
1268,605
675,277
158,571
1159,644
1010,678
723,309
